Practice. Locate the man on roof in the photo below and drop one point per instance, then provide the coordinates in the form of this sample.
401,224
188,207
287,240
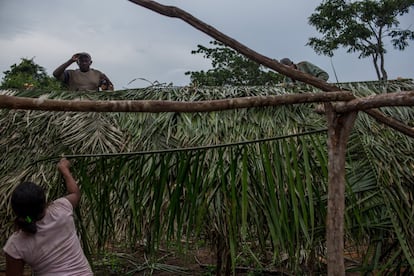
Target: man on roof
306,67
84,78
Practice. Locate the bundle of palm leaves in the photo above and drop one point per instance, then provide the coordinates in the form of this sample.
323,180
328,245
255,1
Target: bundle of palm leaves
250,182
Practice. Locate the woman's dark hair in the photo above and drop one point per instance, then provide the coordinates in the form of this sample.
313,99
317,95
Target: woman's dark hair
28,202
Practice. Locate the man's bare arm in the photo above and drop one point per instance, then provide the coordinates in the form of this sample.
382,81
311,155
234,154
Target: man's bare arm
59,71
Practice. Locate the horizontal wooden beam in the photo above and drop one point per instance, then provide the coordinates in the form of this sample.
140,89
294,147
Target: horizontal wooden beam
405,98
156,106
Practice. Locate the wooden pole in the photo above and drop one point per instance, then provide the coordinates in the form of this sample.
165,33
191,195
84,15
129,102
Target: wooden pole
339,128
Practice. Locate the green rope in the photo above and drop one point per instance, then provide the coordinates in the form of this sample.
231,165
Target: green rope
72,156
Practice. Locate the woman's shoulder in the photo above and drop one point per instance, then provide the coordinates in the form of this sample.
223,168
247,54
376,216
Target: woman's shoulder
55,211
60,203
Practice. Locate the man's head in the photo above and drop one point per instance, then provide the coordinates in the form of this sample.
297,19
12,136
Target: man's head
286,61
84,61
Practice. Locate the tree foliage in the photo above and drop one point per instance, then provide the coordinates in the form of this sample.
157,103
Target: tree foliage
361,26
27,75
230,68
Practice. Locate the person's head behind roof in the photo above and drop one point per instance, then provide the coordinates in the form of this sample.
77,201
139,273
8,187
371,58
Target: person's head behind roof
286,61
84,61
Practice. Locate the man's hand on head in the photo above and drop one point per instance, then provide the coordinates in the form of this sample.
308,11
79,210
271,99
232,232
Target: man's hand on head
75,57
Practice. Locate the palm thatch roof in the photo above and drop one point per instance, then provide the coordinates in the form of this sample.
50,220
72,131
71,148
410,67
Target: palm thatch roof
248,174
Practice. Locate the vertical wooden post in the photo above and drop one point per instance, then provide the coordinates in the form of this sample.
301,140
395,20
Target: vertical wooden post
339,128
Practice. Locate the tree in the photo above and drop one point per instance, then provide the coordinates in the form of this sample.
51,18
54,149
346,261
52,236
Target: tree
27,75
231,68
361,26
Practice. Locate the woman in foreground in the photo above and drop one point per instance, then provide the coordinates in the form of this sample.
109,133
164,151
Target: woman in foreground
45,236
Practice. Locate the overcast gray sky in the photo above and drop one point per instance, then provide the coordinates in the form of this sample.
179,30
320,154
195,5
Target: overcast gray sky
127,41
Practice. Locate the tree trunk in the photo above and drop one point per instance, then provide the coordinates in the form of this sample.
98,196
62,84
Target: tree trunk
384,76
377,70
382,62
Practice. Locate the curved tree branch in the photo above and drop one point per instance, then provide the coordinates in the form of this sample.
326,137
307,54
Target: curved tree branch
175,12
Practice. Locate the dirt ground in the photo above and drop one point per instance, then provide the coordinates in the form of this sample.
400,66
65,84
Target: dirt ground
199,261
167,263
